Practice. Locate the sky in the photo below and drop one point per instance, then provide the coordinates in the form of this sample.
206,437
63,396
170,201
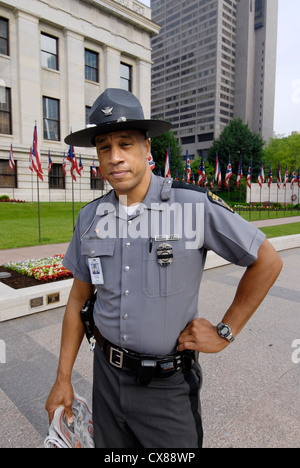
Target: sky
287,100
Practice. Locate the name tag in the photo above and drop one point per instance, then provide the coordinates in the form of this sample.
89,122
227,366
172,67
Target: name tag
96,271
171,237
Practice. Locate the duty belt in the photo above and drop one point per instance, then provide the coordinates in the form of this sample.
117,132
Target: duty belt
146,367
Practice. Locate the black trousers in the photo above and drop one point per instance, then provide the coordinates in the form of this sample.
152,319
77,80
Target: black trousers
164,414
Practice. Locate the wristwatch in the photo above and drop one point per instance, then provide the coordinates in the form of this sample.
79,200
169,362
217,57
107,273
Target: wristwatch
225,332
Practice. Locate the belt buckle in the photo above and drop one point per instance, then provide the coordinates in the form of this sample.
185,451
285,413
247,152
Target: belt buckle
116,357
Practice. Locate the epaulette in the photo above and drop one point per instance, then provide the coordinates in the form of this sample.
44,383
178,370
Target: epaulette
211,196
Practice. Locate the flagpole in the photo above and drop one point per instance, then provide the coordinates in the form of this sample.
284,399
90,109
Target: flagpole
73,203
39,211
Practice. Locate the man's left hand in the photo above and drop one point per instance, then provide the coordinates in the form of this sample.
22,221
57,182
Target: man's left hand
200,335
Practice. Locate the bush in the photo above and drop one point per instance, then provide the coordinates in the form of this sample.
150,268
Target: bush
4,197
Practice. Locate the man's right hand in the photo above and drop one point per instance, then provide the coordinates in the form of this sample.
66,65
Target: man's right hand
60,395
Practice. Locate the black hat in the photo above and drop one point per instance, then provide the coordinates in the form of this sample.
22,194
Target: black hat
116,110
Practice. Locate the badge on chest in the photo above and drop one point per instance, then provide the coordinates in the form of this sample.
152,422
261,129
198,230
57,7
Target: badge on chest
165,254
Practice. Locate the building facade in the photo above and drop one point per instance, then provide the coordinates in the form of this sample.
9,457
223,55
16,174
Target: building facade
56,57
213,61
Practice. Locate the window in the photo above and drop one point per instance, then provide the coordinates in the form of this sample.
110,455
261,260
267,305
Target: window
5,111
51,119
4,49
49,48
126,77
8,178
97,183
56,177
91,66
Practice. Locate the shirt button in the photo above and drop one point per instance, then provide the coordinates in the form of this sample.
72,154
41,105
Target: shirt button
128,245
126,292
125,338
127,268
92,252
125,316
130,222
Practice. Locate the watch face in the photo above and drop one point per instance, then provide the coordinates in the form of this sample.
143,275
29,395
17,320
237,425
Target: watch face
224,331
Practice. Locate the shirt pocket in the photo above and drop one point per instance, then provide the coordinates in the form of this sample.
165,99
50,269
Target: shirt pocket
163,281
103,249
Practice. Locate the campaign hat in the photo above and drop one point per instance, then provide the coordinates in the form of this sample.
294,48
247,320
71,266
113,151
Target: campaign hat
116,110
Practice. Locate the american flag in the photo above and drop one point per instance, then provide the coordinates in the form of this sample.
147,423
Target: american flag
279,181
94,170
270,176
11,159
201,172
218,174
240,174
72,159
36,159
151,162
188,167
249,176
50,163
294,178
261,177
80,166
167,164
228,174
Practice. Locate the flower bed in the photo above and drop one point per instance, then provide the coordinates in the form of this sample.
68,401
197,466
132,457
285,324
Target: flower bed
6,199
43,270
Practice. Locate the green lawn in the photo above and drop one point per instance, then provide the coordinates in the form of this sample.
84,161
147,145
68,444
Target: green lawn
19,223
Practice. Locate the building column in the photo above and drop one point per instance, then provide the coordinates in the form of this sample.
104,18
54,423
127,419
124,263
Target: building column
112,60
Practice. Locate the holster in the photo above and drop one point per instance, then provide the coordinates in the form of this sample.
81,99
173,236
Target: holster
87,318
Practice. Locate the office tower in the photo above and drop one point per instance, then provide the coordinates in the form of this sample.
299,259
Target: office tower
214,60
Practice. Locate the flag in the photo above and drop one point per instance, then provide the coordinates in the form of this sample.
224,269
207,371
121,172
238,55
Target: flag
11,159
30,160
151,162
64,165
50,163
36,159
201,172
286,176
240,174
270,176
228,174
279,181
298,177
72,159
206,182
261,177
188,167
294,178
94,170
218,175
100,173
193,178
167,164
80,166
183,177
176,176
249,176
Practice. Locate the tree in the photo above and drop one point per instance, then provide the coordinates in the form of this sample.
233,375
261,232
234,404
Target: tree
283,151
159,148
237,141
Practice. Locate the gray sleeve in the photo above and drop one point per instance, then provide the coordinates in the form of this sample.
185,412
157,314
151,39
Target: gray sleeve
230,236
74,261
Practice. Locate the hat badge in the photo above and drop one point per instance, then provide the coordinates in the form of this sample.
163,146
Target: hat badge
107,111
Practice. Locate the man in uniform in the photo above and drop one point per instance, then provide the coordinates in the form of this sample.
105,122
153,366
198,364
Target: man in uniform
147,240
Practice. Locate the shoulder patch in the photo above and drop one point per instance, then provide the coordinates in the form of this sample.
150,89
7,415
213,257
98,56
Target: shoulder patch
217,200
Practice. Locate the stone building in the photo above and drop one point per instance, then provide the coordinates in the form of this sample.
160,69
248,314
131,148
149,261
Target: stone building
56,57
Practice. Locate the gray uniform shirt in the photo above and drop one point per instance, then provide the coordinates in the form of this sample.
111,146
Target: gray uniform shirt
142,305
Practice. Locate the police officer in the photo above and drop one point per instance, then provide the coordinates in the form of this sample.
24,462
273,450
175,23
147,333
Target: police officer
143,247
